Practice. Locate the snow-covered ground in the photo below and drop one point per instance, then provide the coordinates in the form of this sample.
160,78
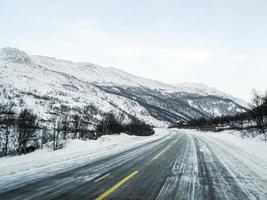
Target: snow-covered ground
43,163
236,167
196,165
254,146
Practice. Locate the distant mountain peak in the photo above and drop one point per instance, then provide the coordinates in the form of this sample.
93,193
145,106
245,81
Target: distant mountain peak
15,55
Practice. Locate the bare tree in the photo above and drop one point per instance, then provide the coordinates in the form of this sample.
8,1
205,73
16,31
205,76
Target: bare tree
60,128
64,125
55,132
7,121
76,121
27,126
257,109
43,136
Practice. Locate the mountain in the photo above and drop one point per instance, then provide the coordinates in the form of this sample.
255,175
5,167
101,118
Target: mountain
44,83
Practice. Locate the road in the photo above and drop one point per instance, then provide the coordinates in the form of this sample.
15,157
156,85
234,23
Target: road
180,166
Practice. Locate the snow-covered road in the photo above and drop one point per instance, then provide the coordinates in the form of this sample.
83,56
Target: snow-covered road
183,165
212,167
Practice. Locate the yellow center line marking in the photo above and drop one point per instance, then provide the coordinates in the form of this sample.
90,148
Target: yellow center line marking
116,186
160,153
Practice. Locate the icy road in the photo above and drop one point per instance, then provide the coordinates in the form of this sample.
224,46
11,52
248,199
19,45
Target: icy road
179,166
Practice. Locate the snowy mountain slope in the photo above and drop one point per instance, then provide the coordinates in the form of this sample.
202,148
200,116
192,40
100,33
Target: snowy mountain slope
173,106
42,83
97,74
203,89
40,89
112,76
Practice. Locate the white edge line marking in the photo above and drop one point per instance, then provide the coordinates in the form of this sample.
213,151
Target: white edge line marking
102,177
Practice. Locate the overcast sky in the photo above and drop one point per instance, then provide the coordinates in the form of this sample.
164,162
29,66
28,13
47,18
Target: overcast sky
221,43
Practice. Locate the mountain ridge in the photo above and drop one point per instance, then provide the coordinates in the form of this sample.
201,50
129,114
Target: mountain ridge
153,101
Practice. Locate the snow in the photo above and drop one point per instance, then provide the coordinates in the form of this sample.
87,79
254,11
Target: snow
15,56
111,76
217,166
77,152
184,173
228,155
78,84
98,74
205,163
21,79
203,89
253,146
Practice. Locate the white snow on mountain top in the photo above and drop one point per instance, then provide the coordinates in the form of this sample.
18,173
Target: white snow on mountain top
14,55
94,73
107,76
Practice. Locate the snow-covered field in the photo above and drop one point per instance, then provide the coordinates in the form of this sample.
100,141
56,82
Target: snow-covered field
43,163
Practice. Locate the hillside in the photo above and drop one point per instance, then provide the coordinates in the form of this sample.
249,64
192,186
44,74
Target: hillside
44,84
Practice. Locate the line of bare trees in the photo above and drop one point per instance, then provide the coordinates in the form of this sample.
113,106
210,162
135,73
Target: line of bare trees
69,126
23,132
112,125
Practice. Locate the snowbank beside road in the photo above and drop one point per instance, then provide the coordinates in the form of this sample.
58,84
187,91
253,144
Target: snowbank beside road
236,168
253,146
77,152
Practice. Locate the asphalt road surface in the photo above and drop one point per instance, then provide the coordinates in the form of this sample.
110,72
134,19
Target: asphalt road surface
179,166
